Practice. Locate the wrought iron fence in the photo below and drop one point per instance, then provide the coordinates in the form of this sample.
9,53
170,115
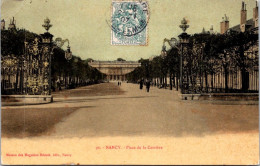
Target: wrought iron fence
29,73
220,74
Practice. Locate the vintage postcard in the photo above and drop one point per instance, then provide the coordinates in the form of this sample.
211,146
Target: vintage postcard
147,82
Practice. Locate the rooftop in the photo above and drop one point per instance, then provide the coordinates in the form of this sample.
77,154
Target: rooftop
249,26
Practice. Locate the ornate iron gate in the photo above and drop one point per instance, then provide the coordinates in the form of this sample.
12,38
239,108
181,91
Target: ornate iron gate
30,73
38,63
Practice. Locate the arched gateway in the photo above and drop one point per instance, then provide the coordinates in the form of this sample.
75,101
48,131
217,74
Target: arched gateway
115,70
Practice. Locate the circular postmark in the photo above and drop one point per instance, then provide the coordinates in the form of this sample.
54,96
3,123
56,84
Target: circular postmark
129,18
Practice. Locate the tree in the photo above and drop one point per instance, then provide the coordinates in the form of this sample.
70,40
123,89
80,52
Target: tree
172,60
120,59
12,42
230,49
76,70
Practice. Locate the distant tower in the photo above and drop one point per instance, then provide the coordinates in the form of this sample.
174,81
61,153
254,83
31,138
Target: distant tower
255,15
224,25
12,24
203,31
243,17
2,24
211,31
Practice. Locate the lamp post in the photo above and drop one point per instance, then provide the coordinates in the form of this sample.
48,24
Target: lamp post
163,52
173,42
68,54
59,42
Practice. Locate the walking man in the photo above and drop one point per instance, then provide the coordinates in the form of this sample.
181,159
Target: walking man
148,84
141,84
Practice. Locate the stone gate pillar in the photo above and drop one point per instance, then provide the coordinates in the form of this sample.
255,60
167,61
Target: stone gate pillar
184,53
47,54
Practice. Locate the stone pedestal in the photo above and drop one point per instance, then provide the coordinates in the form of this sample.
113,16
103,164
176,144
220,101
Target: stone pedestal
11,100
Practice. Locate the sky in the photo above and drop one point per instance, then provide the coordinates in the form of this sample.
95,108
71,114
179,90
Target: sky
86,22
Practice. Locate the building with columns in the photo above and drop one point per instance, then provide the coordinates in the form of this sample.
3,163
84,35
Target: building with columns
115,70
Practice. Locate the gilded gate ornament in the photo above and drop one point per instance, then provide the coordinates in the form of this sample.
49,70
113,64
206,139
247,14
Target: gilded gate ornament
10,64
34,49
9,61
35,84
45,64
47,24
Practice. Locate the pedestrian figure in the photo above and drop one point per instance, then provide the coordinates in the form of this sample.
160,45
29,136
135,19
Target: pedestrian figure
148,83
59,85
141,83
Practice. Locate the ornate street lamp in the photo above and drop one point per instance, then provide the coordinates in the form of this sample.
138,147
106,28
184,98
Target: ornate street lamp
163,52
68,53
59,42
173,42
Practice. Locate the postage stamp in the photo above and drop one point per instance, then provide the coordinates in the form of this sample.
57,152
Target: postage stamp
129,22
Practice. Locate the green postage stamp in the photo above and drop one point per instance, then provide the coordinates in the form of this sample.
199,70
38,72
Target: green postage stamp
129,22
